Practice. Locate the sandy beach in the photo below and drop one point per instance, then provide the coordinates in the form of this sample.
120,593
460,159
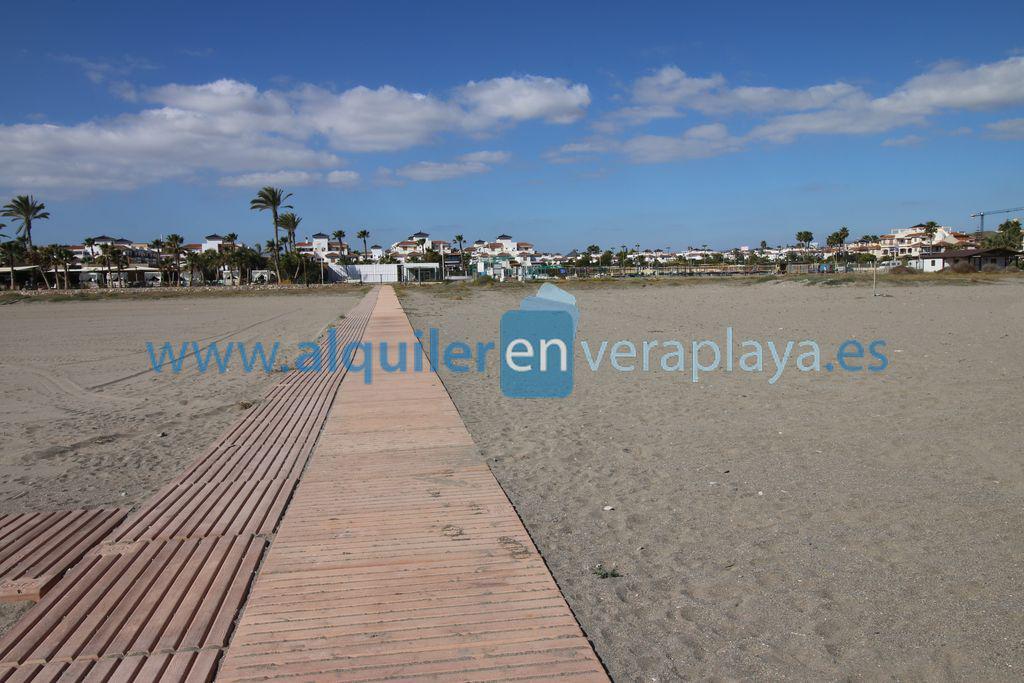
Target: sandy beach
825,527
83,419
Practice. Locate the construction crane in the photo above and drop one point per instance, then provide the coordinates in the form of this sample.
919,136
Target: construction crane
981,216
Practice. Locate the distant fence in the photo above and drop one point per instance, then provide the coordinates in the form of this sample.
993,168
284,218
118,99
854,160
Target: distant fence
373,272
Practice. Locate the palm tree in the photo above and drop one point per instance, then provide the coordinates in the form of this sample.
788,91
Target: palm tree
27,209
194,261
289,222
104,260
173,245
462,256
271,199
63,257
340,236
157,245
363,235
842,235
804,238
930,228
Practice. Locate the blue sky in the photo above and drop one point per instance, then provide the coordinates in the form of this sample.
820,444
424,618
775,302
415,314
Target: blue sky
661,124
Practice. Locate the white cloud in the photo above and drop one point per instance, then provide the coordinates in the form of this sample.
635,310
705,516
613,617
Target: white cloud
234,128
1007,129
554,100
467,164
278,178
947,87
578,151
487,157
103,70
346,178
833,108
385,119
698,142
670,90
905,141
670,85
133,150
951,86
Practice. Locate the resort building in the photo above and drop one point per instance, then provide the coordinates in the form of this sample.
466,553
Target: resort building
996,258
322,248
911,242
216,243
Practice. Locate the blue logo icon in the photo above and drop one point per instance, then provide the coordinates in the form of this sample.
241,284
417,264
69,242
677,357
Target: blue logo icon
537,345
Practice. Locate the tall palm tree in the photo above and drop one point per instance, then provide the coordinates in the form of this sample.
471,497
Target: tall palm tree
63,257
120,262
106,258
157,245
173,245
459,239
340,236
289,222
272,199
194,261
930,228
26,209
363,235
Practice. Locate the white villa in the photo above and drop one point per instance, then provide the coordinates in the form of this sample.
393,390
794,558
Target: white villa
912,242
322,248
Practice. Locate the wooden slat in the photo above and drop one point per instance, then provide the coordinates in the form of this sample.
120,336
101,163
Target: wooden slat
400,557
163,596
158,598
36,549
197,667
250,506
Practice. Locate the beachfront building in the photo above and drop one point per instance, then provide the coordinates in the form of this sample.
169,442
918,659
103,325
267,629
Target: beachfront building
404,249
996,258
217,243
912,242
320,247
377,253
416,244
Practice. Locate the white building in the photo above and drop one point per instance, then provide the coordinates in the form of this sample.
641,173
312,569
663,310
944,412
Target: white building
213,242
911,242
322,248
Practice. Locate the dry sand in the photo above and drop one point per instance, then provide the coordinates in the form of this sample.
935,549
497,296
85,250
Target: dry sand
83,419
830,526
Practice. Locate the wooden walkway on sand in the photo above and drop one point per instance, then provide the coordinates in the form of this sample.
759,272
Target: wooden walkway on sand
399,556
36,548
159,597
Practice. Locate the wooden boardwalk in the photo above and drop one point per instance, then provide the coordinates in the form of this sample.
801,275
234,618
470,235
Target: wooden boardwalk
159,597
37,548
399,556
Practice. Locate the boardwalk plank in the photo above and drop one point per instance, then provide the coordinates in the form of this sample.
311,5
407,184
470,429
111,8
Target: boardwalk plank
36,549
400,557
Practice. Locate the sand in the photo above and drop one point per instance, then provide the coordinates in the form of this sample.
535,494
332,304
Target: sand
83,419
829,526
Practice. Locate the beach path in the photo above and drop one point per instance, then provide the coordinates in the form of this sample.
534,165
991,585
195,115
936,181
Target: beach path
399,556
36,548
158,598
